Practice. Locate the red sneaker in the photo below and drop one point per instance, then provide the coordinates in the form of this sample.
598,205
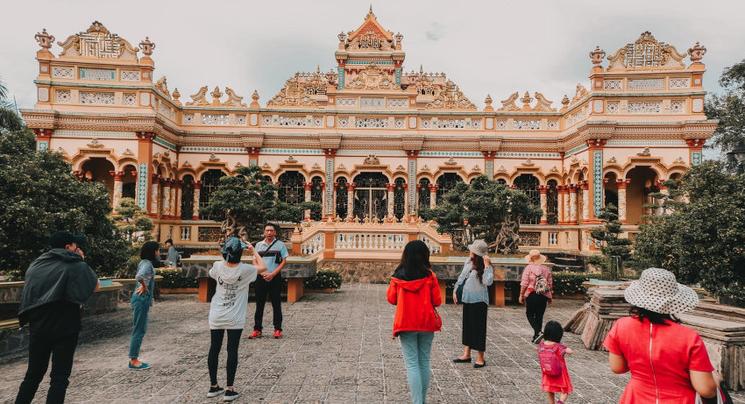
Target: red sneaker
255,334
277,334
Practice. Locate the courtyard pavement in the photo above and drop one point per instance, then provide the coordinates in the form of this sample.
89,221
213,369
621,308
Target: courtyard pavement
337,349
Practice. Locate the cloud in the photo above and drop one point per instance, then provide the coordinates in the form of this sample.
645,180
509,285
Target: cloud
435,31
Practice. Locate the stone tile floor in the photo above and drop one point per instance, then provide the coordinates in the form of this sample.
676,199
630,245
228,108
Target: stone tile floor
337,349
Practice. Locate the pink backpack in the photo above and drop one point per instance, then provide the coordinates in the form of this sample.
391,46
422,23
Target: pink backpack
548,358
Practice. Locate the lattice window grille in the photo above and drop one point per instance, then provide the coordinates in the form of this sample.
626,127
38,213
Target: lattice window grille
99,98
646,84
130,75
62,96
61,72
215,119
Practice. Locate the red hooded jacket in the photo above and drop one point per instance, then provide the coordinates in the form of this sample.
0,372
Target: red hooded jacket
415,304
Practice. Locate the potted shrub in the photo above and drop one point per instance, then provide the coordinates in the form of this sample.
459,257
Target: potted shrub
324,281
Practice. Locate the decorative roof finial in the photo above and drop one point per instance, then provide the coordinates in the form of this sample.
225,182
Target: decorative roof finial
526,100
697,52
370,12
44,39
216,95
597,55
147,46
488,102
255,99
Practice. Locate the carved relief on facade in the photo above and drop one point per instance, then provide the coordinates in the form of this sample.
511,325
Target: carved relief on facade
200,98
97,42
304,89
372,77
646,52
162,86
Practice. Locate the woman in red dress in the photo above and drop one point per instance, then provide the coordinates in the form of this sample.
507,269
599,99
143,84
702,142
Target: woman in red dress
668,361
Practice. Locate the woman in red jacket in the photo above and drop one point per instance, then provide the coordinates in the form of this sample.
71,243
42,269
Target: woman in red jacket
415,292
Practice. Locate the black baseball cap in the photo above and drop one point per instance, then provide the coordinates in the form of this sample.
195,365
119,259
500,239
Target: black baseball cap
62,238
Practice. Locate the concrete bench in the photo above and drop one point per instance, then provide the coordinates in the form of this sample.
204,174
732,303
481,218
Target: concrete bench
295,272
507,274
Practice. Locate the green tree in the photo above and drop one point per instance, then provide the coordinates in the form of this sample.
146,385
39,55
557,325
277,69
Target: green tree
616,250
39,195
702,240
9,119
246,201
486,204
729,109
132,221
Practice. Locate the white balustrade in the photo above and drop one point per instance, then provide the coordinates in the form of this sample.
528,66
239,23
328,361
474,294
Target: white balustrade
370,241
314,245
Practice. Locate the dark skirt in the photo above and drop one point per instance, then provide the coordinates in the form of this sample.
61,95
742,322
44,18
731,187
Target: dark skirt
474,326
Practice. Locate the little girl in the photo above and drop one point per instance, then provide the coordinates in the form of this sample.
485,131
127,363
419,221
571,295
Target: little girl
551,354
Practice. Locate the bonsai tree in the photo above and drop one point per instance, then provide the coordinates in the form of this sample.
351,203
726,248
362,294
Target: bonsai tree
133,222
246,201
616,250
493,212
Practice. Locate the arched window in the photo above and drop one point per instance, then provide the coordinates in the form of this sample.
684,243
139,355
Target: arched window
552,202
129,182
445,183
528,184
399,198
210,180
423,189
98,169
370,196
291,187
187,197
341,197
316,195
610,190
502,181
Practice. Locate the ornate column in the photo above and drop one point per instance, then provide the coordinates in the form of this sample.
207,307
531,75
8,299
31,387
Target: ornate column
622,184
195,204
390,187
432,196
489,163
307,187
573,203
253,156
660,203
411,195
144,180
172,203
178,191
695,150
543,190
328,208
154,194
350,200
595,176
116,198
406,201
43,139
585,201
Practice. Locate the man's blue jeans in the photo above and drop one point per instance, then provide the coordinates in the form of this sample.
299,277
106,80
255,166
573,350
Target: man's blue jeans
140,309
416,348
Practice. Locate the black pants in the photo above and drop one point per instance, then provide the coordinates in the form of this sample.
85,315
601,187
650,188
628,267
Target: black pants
216,337
41,347
274,289
535,306
474,326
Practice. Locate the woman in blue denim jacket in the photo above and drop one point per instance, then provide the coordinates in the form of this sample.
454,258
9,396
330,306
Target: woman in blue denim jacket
476,277
142,299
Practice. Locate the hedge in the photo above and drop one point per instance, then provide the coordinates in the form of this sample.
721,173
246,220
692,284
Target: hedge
172,278
324,280
567,283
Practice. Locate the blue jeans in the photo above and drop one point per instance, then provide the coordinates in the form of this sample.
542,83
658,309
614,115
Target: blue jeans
140,309
416,348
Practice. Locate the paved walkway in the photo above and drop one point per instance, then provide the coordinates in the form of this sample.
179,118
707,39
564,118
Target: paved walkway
337,349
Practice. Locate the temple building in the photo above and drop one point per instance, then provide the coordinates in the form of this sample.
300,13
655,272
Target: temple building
370,141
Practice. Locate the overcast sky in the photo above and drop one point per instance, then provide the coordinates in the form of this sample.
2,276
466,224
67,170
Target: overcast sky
486,47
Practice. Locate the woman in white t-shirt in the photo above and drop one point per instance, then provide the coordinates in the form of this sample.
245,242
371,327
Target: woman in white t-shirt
228,310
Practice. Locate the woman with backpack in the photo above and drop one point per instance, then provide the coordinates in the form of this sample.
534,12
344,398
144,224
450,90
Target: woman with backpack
472,289
535,291
415,292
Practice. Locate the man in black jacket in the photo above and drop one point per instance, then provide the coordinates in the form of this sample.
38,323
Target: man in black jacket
56,285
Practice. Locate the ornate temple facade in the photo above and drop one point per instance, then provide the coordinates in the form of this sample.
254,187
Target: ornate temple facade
369,140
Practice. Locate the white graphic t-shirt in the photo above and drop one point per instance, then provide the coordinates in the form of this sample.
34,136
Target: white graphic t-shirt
229,304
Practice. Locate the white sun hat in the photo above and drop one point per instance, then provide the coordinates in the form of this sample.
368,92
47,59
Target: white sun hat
658,291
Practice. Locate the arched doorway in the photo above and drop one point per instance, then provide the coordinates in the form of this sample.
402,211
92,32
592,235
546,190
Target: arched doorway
98,169
291,187
528,184
399,198
316,195
642,183
341,198
610,189
129,182
370,196
210,180
187,197
445,183
423,190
